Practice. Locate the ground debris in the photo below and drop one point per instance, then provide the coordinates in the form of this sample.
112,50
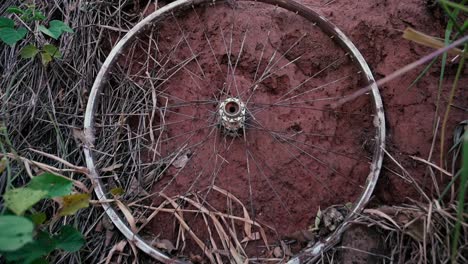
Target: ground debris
182,160
325,222
409,221
164,245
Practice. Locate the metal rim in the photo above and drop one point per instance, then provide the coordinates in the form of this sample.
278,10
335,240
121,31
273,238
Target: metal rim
307,255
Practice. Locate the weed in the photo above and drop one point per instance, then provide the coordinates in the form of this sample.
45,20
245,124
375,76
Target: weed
11,34
21,239
452,10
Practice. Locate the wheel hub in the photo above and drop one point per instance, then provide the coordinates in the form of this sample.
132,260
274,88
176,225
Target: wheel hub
231,113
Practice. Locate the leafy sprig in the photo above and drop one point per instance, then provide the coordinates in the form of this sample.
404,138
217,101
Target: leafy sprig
21,239
11,34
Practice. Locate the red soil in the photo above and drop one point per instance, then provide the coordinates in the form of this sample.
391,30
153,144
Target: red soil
346,135
376,29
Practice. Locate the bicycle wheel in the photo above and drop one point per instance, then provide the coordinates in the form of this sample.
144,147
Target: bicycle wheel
220,120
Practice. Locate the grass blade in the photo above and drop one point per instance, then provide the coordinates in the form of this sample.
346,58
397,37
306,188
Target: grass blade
461,198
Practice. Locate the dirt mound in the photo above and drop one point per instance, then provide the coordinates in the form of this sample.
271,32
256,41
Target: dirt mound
286,155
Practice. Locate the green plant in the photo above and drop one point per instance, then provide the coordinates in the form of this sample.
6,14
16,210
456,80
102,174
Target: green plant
28,14
452,23
461,196
22,240
454,31
452,10
455,5
10,34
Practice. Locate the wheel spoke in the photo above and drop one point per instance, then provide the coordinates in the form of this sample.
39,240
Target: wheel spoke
221,113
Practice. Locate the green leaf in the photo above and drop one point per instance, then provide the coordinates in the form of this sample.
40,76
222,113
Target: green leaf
45,58
49,33
27,15
30,252
54,185
69,239
21,199
29,51
22,32
73,203
60,26
15,10
38,218
53,51
6,23
38,16
455,5
56,28
16,231
10,36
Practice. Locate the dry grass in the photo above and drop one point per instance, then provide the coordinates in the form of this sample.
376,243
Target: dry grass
225,239
419,231
42,108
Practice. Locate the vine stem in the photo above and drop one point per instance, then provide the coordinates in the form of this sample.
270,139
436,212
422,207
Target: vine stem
447,112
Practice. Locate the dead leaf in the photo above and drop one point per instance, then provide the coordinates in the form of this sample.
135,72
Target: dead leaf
3,164
318,218
117,191
429,41
112,167
74,202
107,223
136,188
332,218
303,236
128,215
286,249
119,247
165,245
416,230
134,250
196,259
410,221
253,237
99,227
182,160
109,235
277,252
382,214
80,137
